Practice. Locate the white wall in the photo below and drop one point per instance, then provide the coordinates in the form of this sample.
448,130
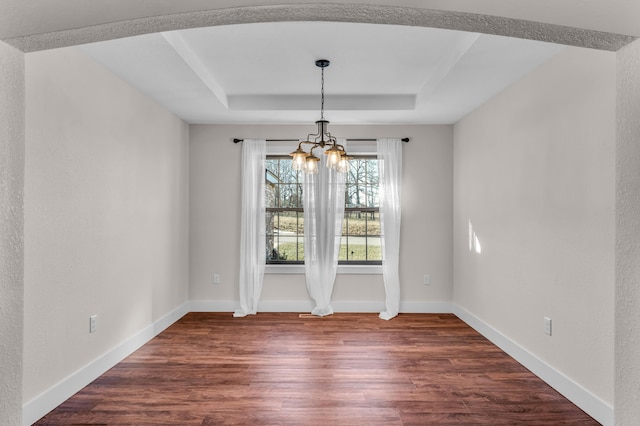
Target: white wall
106,222
11,232
534,174
627,342
426,221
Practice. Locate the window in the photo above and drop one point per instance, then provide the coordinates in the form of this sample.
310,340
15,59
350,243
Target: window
361,236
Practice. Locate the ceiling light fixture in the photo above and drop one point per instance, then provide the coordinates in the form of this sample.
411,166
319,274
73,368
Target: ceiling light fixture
336,155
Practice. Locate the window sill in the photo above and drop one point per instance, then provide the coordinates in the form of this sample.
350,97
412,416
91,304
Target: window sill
342,269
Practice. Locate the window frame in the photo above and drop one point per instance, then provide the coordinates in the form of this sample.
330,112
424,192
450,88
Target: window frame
363,210
350,268
297,210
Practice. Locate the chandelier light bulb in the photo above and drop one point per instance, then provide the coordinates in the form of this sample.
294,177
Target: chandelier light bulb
343,164
299,159
333,157
312,164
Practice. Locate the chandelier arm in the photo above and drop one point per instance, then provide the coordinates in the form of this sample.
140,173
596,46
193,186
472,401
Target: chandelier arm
305,142
313,136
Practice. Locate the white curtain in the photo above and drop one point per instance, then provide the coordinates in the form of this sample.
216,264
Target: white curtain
390,171
323,203
252,226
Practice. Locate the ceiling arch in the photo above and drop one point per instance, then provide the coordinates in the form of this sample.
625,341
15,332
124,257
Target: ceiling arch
347,12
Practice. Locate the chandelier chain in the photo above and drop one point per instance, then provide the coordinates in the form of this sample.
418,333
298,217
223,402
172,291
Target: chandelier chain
322,93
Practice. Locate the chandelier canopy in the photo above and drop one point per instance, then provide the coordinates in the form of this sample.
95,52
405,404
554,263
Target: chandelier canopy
337,157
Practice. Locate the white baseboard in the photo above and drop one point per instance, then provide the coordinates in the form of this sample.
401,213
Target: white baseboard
588,402
39,406
302,306
169,319
426,307
213,305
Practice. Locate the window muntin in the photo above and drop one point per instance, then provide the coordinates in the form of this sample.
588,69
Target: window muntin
361,242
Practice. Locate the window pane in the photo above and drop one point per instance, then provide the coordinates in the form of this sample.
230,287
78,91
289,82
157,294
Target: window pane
357,223
272,170
373,196
288,196
373,223
271,195
356,249
366,198
372,171
288,224
286,171
270,237
349,196
342,253
374,248
300,230
291,248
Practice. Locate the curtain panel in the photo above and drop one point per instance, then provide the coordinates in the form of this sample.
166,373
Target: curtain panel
252,226
323,204
390,172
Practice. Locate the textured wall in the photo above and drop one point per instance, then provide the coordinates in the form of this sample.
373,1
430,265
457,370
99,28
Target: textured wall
106,214
426,216
534,176
627,345
11,232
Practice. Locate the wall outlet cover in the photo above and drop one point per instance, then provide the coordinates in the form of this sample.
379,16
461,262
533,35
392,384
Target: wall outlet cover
93,323
547,326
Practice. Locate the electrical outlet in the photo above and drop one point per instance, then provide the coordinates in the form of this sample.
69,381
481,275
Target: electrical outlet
547,326
216,278
93,323
427,280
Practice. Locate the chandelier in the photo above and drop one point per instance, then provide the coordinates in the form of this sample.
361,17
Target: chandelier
337,158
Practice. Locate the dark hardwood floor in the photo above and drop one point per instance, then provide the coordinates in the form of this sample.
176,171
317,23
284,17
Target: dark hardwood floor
345,369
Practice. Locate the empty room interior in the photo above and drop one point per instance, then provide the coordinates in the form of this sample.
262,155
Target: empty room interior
125,220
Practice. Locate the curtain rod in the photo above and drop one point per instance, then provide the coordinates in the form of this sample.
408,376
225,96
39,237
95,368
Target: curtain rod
236,140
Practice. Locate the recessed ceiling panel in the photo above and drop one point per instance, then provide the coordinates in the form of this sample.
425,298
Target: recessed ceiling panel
266,73
270,58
